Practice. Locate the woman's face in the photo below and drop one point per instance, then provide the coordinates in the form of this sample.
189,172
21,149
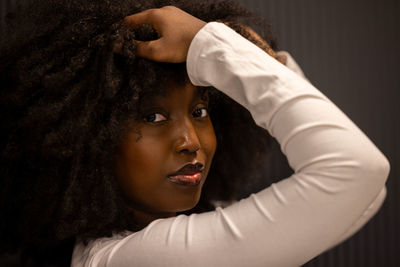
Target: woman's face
173,131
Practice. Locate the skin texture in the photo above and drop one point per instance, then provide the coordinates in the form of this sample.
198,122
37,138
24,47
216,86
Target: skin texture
175,130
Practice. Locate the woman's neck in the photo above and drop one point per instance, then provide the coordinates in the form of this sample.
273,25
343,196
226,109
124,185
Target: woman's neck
144,218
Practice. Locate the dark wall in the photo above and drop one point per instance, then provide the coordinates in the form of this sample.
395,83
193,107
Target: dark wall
350,51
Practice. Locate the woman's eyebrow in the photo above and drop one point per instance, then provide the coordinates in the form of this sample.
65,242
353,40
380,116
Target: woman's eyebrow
152,98
201,94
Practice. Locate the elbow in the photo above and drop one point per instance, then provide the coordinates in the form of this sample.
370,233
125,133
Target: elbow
377,170
383,169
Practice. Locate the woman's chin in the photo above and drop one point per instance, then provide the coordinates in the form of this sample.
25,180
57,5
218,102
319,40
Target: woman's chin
187,204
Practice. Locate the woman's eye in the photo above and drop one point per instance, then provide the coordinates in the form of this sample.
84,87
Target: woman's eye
155,117
200,112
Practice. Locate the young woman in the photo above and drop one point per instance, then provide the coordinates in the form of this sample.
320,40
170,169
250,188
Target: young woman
135,159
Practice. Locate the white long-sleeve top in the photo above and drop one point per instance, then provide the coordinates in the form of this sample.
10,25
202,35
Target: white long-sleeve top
337,186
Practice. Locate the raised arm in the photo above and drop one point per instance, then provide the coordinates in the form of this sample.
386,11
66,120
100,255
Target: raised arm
339,173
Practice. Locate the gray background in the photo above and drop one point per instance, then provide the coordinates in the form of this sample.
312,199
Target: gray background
349,51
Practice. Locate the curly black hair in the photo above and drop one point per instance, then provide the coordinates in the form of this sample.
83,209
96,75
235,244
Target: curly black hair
66,100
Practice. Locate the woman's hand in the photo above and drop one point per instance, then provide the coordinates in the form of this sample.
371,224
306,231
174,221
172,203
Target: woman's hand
175,28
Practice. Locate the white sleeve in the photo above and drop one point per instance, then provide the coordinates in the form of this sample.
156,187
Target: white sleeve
338,181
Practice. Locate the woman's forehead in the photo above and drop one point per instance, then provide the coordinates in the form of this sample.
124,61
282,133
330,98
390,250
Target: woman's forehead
166,93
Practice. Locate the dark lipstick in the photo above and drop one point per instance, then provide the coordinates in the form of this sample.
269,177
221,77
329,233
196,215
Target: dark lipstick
189,175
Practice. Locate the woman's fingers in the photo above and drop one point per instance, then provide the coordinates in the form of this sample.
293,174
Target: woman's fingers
156,50
148,49
136,20
175,28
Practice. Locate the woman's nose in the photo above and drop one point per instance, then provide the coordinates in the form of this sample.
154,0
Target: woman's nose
187,140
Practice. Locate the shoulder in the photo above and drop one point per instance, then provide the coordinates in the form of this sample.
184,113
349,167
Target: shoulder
96,251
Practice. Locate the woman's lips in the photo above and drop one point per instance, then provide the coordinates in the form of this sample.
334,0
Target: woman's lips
189,175
186,179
